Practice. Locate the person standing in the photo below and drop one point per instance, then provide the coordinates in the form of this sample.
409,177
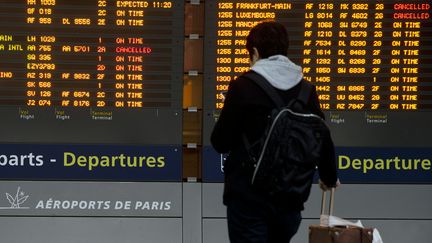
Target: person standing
254,215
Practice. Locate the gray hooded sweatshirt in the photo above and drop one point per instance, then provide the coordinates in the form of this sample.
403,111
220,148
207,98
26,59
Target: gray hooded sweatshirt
280,71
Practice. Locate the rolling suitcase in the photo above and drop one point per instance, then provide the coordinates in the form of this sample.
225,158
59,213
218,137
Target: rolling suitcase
337,234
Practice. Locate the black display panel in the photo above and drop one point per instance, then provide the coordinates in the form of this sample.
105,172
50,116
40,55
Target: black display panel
96,71
371,62
91,89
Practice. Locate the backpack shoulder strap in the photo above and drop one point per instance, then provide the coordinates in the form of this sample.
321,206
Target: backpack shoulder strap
268,89
305,91
303,95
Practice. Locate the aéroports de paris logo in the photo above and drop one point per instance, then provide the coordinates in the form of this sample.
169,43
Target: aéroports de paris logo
16,201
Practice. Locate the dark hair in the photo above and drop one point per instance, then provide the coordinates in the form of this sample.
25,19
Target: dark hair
269,38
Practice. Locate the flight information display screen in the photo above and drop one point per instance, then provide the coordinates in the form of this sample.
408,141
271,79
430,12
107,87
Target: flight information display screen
91,89
361,55
96,71
371,63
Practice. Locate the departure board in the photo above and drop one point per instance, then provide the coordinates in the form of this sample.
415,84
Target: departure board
361,55
371,63
91,71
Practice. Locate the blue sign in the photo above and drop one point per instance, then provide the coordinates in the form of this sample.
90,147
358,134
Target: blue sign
90,162
385,165
357,165
212,165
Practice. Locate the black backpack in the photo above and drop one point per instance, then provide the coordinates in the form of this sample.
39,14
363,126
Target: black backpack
286,156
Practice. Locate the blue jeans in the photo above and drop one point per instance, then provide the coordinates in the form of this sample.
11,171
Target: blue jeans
250,222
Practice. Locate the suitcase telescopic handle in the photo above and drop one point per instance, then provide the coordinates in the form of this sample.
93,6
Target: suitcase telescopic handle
324,200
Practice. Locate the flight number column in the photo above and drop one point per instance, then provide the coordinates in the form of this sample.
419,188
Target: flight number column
77,84
318,41
352,61
40,65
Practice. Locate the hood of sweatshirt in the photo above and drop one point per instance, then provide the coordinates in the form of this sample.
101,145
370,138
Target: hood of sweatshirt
280,71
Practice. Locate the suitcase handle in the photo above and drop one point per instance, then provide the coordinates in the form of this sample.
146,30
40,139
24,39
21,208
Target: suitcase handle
324,200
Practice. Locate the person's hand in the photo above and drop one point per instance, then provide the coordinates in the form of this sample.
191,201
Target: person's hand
223,93
324,187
